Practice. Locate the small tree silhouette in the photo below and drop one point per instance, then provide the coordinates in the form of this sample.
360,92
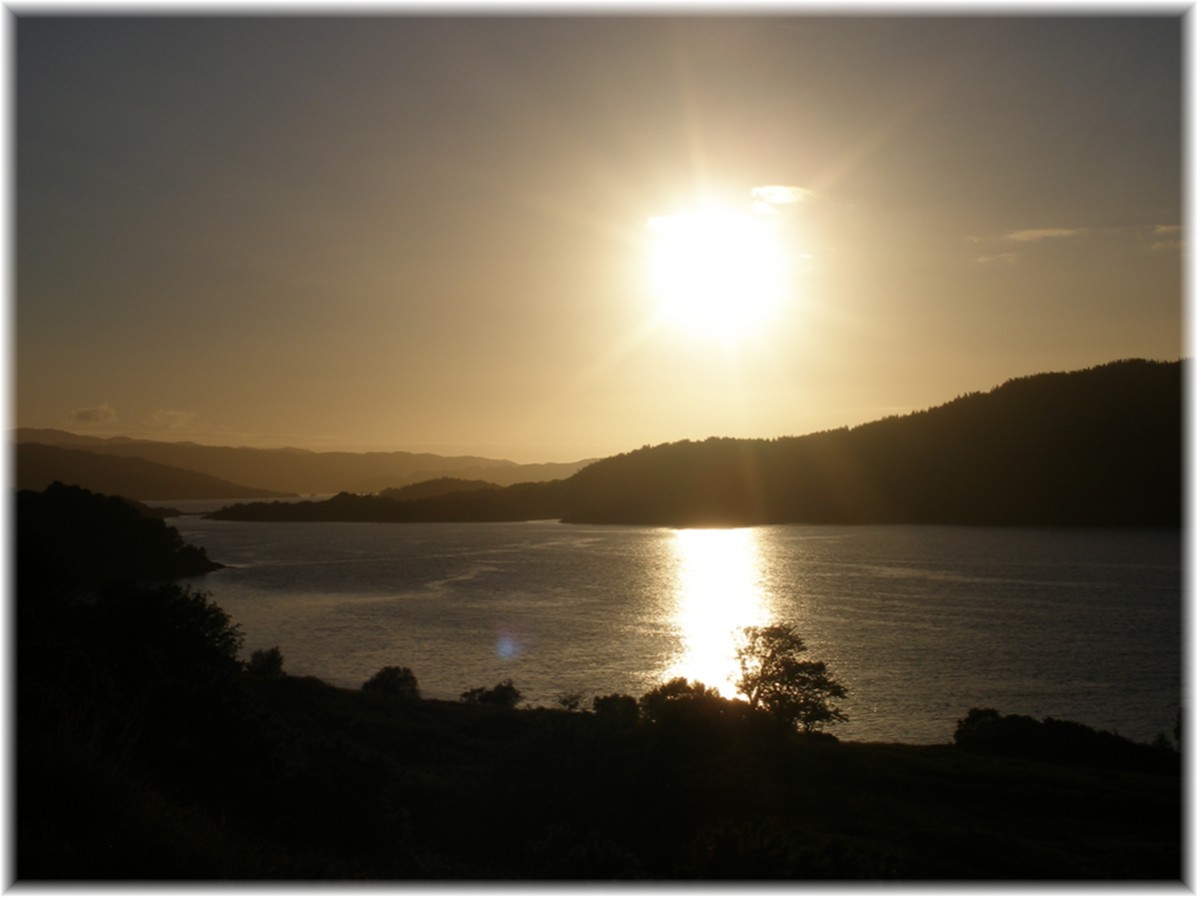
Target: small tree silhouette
797,691
616,710
394,680
503,694
668,699
570,700
266,663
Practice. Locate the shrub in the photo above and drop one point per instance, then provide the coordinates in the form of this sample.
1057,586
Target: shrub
616,710
266,663
394,680
503,694
570,700
1059,740
669,700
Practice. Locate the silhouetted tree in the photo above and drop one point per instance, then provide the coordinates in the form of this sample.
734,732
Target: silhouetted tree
658,703
570,700
503,694
797,691
617,710
395,680
266,663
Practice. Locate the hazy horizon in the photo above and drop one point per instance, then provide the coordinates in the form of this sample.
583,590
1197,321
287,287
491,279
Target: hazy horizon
270,442
549,239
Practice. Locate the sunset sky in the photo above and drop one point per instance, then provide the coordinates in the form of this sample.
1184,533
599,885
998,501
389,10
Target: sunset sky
550,239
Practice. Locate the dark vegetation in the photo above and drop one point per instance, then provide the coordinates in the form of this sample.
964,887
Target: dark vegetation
1098,447
395,681
777,679
74,539
535,500
986,731
146,750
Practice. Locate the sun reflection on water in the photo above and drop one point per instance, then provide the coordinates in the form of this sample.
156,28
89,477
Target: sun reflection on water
719,589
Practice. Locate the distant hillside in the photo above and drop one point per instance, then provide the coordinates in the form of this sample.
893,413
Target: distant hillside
436,487
495,472
57,438
1098,447
292,471
38,466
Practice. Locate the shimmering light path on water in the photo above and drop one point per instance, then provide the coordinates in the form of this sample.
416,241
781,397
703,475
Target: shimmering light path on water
719,590
920,623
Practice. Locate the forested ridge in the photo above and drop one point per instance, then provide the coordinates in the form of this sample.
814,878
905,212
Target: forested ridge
1097,447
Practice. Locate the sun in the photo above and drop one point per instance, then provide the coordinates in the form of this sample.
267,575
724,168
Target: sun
716,273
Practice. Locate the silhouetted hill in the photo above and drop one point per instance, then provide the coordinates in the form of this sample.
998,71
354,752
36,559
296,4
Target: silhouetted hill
1102,446
518,502
1098,447
293,471
58,438
72,538
436,487
39,465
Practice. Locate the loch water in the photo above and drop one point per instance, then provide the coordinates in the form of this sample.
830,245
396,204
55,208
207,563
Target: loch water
920,623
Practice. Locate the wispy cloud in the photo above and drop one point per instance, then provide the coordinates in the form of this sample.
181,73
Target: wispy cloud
1006,259
1043,234
769,196
1169,237
92,415
173,419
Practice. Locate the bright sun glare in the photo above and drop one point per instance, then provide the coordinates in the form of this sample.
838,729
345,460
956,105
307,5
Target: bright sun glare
717,273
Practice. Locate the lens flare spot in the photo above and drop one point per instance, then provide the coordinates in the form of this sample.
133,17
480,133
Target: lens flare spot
507,646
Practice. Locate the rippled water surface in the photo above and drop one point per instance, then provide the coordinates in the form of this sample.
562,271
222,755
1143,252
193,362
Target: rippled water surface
919,622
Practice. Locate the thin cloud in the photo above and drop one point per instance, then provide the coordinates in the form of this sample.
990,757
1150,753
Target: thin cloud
92,415
1043,234
769,196
1169,237
173,419
1006,259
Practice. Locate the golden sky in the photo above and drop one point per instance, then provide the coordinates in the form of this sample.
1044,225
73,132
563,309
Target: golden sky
557,238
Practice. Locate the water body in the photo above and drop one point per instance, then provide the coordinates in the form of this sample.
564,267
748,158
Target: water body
920,623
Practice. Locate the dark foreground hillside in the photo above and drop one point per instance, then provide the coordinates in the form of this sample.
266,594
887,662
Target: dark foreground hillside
1098,447
146,749
311,782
